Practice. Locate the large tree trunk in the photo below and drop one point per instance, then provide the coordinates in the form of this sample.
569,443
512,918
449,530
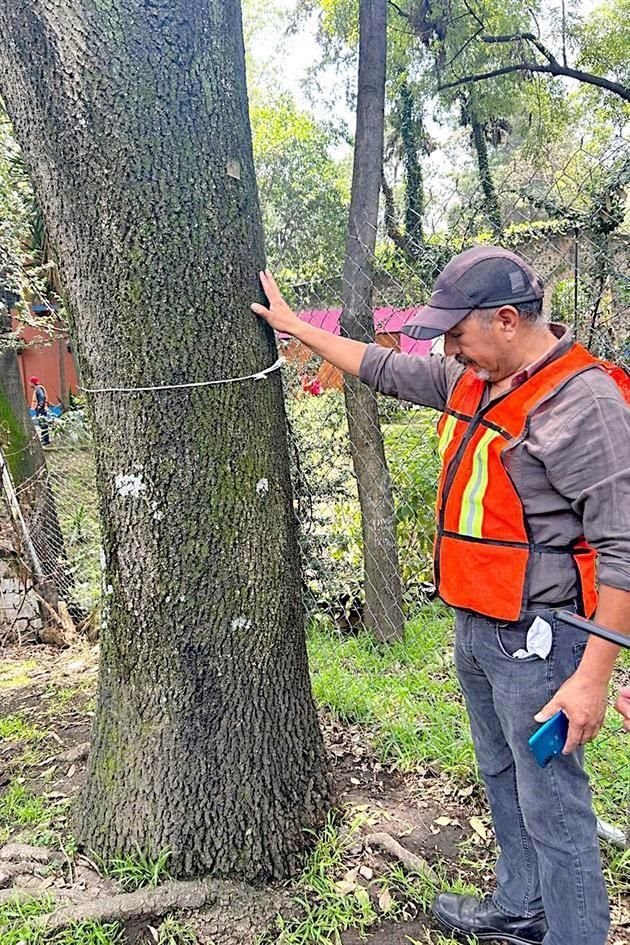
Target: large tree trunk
383,596
133,119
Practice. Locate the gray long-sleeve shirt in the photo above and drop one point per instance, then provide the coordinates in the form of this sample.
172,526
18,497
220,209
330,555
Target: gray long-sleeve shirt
571,471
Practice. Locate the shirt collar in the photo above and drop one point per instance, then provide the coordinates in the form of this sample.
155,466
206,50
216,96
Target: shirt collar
564,337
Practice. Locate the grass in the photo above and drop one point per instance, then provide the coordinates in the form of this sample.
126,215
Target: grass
20,925
172,932
331,898
406,695
15,728
19,808
16,674
326,909
608,763
138,869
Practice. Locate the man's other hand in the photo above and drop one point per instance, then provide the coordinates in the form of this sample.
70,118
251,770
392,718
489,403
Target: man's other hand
583,701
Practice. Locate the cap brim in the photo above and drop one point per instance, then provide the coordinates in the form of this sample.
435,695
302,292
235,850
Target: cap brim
431,322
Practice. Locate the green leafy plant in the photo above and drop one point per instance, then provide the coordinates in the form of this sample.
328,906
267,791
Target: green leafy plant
172,932
20,808
139,869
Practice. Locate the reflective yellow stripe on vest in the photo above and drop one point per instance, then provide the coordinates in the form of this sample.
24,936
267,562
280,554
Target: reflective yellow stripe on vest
471,514
446,435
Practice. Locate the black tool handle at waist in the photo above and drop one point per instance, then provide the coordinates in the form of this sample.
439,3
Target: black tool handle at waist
590,627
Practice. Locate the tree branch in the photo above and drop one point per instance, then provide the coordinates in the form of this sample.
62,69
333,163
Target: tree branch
552,68
528,37
462,48
400,12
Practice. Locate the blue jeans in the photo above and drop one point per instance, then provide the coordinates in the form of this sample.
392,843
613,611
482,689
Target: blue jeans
543,819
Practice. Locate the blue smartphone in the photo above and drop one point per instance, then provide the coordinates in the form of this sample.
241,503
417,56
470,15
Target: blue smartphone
550,738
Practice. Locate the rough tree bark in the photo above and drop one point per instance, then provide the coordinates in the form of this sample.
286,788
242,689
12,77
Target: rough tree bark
133,121
383,595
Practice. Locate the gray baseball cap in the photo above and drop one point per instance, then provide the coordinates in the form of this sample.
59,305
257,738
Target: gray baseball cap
482,277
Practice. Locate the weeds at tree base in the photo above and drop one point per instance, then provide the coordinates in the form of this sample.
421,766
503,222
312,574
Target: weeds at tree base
137,869
330,899
19,926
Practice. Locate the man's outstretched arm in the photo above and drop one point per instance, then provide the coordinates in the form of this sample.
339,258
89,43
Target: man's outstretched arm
344,353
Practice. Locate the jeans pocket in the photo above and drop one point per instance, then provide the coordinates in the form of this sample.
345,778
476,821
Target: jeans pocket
510,639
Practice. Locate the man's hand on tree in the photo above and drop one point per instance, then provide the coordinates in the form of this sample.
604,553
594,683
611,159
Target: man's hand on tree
278,315
583,701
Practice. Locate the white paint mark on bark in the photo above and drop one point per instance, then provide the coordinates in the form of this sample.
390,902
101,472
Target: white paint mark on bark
241,623
262,487
129,485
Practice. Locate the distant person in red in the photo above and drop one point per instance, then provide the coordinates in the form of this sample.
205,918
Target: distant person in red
312,386
39,403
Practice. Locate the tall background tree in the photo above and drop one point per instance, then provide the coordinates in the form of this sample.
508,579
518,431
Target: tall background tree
133,122
383,594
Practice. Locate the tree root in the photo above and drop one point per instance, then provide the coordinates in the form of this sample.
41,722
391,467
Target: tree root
409,860
230,905
16,852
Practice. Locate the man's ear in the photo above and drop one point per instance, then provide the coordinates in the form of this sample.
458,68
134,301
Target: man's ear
508,319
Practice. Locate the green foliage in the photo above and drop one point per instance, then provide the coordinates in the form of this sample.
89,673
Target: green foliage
16,209
604,40
139,869
411,449
19,808
327,499
172,932
88,933
17,728
326,910
304,193
19,926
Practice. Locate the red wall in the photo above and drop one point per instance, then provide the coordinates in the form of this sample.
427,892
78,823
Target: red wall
44,357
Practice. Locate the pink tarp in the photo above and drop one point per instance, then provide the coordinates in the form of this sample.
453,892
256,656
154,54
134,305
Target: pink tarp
386,320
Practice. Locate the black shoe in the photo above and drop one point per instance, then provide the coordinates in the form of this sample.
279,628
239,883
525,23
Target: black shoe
470,916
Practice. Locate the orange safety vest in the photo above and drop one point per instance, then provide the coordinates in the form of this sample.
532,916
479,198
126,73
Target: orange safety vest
483,544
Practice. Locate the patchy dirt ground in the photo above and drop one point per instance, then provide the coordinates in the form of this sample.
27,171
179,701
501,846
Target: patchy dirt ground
447,826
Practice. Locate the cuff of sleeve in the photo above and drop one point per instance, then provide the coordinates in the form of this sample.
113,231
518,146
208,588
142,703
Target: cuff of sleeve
613,576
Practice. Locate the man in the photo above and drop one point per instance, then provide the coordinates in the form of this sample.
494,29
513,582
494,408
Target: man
39,404
535,444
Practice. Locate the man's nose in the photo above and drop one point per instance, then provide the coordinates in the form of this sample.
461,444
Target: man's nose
451,347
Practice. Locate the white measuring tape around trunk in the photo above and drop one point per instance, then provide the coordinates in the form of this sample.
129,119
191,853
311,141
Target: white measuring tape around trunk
260,376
